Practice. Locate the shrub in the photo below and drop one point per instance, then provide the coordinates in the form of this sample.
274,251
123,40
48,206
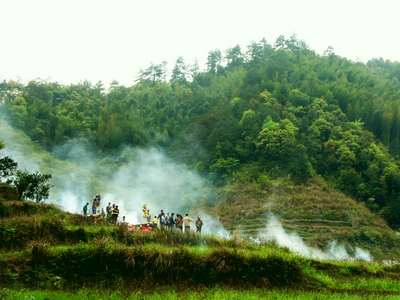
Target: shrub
5,210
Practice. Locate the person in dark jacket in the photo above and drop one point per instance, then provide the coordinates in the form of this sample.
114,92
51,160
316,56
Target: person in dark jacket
171,221
85,209
199,225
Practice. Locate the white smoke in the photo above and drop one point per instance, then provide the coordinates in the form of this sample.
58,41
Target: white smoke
129,179
274,231
18,147
153,179
214,227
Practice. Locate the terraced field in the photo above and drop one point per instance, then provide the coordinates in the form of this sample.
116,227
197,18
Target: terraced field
317,214
304,228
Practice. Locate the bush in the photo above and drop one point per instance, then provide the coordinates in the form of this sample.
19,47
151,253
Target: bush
5,210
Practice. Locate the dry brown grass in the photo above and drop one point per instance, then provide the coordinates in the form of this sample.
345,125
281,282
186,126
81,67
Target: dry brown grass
315,211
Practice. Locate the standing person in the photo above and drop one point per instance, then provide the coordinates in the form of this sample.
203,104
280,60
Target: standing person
115,214
199,224
167,219
155,222
179,223
148,216
85,209
94,205
108,210
162,220
111,219
171,222
186,222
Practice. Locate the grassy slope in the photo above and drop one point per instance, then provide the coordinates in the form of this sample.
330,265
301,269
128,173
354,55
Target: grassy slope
44,248
315,211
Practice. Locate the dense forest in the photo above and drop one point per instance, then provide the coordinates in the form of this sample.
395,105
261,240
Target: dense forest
252,115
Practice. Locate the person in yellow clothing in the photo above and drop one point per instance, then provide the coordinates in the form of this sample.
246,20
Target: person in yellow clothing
155,222
115,214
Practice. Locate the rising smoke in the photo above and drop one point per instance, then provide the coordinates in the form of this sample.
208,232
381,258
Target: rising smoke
274,231
128,179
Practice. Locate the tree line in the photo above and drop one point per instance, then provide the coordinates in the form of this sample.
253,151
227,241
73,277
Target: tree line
268,111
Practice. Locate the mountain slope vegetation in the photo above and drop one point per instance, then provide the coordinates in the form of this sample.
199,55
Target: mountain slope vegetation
252,117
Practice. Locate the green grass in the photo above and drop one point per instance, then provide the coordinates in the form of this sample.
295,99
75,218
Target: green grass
71,256
243,265
214,293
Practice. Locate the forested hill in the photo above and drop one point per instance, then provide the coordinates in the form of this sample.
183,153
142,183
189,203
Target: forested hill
253,115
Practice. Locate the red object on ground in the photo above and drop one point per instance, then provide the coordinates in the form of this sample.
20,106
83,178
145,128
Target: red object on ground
144,228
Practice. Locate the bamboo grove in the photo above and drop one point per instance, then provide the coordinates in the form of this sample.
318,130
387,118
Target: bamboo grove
253,114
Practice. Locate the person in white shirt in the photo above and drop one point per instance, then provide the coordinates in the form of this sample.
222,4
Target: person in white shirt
186,222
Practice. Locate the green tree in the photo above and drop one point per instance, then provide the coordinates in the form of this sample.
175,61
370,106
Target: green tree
7,167
297,98
234,57
214,60
257,50
278,143
19,112
156,72
179,71
224,166
32,186
278,63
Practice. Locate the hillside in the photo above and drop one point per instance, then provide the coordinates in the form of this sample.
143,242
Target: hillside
46,250
314,211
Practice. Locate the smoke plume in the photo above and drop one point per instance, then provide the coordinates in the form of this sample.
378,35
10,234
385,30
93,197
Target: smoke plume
129,179
274,231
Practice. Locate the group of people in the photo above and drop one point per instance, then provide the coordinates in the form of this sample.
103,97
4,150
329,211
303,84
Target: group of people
95,205
161,221
112,211
171,221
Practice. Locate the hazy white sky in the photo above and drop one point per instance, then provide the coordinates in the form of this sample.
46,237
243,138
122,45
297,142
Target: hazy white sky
76,40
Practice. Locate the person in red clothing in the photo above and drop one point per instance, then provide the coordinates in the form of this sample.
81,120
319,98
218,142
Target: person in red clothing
179,223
